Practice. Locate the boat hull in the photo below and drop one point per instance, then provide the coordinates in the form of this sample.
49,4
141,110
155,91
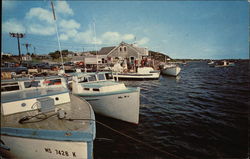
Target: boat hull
134,76
121,106
171,71
229,65
25,148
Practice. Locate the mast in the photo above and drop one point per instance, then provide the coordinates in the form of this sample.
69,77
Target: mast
58,40
95,46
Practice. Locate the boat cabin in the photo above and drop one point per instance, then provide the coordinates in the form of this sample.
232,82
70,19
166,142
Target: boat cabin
24,94
100,82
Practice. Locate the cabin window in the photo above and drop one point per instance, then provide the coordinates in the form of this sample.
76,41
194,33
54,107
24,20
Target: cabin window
32,84
83,79
96,89
86,89
120,49
9,87
101,77
92,78
125,49
108,76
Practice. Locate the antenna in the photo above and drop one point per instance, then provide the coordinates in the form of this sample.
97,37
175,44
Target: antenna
135,40
58,40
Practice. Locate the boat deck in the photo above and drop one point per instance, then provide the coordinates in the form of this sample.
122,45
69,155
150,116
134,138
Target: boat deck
76,109
100,84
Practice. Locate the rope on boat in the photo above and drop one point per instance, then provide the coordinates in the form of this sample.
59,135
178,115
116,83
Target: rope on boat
26,119
39,117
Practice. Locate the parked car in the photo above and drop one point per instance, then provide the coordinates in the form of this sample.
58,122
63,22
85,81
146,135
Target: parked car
17,70
69,64
44,66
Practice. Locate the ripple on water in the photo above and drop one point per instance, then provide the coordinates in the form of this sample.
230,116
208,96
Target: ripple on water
201,114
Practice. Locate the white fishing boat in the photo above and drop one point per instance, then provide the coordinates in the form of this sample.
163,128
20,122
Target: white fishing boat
142,73
41,119
210,63
224,63
171,70
107,97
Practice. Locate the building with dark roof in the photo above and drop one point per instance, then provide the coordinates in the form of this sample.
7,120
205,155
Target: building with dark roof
132,53
106,50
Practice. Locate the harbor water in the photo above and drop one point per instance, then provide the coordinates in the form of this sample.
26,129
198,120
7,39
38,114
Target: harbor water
201,114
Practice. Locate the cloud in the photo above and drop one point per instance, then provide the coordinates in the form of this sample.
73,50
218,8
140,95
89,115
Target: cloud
69,24
41,14
41,21
143,41
39,29
116,37
64,37
62,7
13,25
111,37
108,37
128,37
87,37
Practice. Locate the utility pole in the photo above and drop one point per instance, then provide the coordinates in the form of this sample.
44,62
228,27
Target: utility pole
27,47
18,35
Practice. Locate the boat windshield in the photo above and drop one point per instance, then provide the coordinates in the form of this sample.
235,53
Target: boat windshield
92,78
83,79
30,84
109,76
101,77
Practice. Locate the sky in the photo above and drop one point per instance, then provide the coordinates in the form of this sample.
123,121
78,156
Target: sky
179,29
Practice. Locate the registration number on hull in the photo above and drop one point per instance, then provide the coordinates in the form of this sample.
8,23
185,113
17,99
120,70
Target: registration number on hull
60,152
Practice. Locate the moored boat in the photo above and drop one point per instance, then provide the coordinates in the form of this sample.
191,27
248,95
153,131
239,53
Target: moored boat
41,119
224,63
107,97
171,70
142,73
211,63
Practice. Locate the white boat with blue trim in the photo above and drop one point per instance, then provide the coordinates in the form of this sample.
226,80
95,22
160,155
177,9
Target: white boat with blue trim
107,97
41,119
142,73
